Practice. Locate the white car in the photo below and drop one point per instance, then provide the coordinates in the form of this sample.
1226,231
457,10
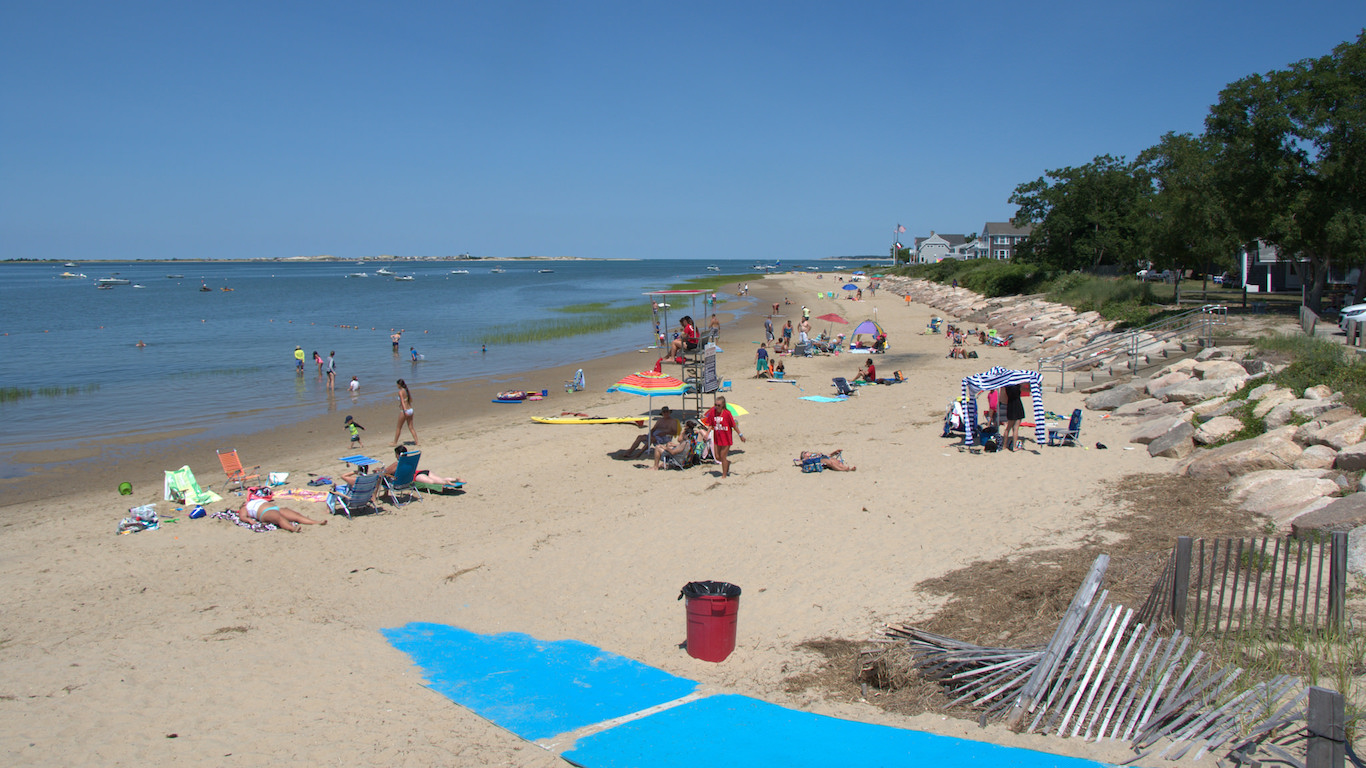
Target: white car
1153,276
1354,312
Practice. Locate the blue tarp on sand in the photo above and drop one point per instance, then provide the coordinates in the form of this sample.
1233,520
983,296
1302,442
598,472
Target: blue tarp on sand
630,714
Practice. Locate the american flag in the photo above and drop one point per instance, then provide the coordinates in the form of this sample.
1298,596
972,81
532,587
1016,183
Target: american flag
900,228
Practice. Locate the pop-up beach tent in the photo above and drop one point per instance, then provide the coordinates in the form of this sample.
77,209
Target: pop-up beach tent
995,379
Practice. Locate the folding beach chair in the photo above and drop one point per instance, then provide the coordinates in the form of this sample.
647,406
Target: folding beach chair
181,486
578,384
232,467
358,495
404,479
1070,435
842,387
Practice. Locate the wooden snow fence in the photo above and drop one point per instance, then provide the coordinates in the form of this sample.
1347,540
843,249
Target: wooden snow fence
1254,586
1106,675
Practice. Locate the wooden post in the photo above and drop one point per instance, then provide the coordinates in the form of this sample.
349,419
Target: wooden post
1327,730
1181,581
1337,583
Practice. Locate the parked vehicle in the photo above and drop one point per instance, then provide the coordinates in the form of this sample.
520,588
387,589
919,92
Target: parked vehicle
1353,312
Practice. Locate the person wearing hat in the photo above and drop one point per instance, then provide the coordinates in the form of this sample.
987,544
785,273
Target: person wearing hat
664,429
299,359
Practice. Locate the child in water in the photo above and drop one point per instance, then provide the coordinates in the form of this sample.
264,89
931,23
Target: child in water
354,429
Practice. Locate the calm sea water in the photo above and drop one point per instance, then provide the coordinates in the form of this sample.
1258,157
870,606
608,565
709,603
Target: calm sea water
223,361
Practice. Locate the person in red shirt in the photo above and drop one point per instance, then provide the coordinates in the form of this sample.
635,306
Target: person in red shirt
687,342
724,431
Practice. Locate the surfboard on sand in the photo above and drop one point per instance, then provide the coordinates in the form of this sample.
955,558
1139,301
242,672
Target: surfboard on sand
640,422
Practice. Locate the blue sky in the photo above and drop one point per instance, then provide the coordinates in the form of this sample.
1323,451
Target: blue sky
635,129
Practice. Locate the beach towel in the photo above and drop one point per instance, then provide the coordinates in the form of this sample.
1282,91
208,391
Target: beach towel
824,399
305,495
231,516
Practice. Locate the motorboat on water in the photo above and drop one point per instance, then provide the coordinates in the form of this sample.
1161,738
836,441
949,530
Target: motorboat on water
71,264
72,275
174,277
402,278
384,271
359,274
138,285
460,271
112,281
544,271
497,271
713,268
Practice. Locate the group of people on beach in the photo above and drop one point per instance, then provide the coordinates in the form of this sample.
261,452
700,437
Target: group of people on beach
716,430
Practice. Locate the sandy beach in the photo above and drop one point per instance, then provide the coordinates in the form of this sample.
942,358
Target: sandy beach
262,649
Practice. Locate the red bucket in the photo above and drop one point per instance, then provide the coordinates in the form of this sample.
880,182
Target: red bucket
712,608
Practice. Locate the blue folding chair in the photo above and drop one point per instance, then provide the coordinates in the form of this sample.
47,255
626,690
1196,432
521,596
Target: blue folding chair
1070,435
404,479
358,495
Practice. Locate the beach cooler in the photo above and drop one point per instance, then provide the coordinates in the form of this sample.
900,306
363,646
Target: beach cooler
712,607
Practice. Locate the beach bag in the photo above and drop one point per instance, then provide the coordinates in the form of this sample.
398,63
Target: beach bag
258,492
972,354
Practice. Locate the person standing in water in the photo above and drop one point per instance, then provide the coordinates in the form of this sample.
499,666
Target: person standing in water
405,412
331,370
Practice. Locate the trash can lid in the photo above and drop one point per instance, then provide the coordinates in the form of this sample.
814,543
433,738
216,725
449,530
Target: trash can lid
708,589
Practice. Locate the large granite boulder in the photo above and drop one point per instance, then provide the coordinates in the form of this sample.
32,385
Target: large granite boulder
1342,514
1210,353
1287,411
1270,400
1352,458
1219,369
1316,457
1177,443
1273,450
1207,409
1138,407
1319,392
1261,391
1219,429
1336,435
1281,494
1169,380
1195,390
1149,431
1113,398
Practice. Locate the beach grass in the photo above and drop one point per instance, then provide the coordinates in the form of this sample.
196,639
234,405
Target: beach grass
709,282
584,319
12,394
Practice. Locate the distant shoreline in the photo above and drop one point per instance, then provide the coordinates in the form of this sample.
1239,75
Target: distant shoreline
377,259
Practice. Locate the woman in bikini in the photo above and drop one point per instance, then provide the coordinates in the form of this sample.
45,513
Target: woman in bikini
267,511
405,412
833,460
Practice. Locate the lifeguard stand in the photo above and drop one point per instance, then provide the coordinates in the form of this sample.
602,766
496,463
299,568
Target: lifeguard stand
695,360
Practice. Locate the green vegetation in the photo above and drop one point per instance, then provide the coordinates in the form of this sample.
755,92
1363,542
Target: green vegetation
711,282
595,317
10,394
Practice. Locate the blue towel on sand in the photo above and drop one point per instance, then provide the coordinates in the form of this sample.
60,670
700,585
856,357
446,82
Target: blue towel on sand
824,399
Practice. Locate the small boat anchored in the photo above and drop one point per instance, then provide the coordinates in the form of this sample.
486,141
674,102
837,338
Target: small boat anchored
112,281
544,271
460,271
497,271
402,278
72,276
384,271
359,274
713,268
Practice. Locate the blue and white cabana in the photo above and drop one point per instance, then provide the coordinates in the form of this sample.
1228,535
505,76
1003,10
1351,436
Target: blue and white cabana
995,379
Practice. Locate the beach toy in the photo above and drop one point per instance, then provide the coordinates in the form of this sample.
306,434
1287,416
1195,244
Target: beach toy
125,489
197,513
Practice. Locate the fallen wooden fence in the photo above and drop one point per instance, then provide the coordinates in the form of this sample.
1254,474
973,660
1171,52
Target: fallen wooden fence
1106,674
1262,586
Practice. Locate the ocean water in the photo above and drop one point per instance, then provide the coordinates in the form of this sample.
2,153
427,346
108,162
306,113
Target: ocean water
223,361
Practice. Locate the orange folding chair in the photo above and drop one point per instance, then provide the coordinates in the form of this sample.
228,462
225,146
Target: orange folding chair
232,467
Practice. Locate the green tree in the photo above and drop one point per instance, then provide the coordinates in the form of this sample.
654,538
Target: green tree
1187,222
1290,159
1083,217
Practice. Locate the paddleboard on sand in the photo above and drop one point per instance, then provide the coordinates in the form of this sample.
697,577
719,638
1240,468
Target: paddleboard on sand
586,420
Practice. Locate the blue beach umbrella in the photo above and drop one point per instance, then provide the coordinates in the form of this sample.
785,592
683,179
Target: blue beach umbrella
850,287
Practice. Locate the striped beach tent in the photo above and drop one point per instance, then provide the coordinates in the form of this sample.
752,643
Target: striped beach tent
995,379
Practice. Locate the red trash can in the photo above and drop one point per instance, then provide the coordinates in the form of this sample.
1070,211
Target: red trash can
712,607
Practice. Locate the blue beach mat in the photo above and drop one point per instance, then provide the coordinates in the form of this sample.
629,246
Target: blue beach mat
824,399
607,711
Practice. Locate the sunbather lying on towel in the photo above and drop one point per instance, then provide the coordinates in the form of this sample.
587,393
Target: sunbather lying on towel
423,475
267,511
832,460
